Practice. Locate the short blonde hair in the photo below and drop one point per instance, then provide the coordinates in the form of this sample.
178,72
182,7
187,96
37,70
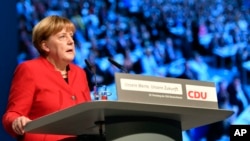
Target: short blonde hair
49,26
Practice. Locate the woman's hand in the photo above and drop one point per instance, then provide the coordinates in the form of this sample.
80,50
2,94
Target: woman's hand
19,123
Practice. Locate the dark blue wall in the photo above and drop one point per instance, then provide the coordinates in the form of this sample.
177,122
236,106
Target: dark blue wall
8,53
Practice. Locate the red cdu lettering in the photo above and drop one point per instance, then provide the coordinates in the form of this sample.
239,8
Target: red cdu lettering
197,95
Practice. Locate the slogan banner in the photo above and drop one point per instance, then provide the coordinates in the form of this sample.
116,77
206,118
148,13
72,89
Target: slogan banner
165,91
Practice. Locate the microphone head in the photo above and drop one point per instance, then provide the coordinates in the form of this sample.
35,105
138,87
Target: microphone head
115,63
119,66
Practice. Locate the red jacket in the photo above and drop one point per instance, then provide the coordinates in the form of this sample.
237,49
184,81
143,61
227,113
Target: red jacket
37,90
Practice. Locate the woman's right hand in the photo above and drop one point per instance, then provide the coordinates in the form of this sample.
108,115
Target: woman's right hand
19,123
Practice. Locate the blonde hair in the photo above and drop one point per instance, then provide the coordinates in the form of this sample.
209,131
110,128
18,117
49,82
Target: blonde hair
49,26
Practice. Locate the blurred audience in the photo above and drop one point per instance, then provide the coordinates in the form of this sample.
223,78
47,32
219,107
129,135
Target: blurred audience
188,72
221,128
153,37
237,94
198,65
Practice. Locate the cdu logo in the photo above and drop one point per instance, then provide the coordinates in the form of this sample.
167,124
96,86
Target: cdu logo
239,132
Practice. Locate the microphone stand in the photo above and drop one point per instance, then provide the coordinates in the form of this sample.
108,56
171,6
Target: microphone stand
96,95
93,71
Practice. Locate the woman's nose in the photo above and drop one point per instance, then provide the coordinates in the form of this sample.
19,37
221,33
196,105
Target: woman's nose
70,40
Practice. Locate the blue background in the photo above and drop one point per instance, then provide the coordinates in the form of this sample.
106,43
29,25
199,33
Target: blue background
220,68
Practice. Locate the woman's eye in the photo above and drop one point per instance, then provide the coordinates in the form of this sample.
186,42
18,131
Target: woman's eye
63,36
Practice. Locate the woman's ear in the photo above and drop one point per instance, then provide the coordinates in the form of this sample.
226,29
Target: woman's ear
44,46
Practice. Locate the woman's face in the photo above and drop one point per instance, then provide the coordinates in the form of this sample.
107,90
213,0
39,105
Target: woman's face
60,47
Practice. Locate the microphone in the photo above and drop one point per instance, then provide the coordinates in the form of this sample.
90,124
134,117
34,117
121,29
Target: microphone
119,66
90,67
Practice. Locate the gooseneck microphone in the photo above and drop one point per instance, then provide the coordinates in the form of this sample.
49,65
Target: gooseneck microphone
92,70
119,66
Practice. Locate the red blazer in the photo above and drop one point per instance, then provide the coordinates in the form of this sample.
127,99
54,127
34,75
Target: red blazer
37,89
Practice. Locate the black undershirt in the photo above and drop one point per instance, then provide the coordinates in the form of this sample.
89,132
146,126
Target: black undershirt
66,79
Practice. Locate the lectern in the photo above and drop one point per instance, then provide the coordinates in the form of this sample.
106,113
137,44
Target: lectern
164,109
